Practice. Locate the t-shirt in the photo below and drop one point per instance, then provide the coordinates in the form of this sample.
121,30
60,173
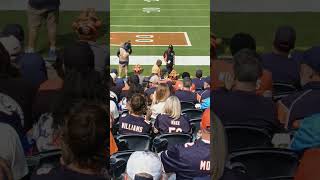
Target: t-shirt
198,82
186,96
11,150
276,63
187,160
240,107
156,69
45,4
62,173
165,124
130,124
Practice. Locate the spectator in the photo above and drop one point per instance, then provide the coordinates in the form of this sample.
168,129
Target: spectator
205,93
224,67
198,81
232,106
123,61
12,45
169,57
144,164
38,12
191,159
15,30
171,120
12,151
185,94
283,43
83,143
137,70
134,122
119,82
159,97
304,103
156,68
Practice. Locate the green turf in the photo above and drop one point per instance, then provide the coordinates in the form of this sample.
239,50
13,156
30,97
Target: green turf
65,34
262,26
179,69
177,13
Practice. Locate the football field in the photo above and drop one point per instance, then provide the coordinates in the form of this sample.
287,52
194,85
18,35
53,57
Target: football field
152,25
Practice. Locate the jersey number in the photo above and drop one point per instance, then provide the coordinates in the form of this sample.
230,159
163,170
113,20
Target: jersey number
173,129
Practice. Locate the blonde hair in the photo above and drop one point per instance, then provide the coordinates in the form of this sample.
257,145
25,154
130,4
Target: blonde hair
161,94
172,107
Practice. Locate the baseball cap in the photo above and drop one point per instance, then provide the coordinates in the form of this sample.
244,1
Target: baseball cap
12,45
79,56
114,71
311,57
205,120
154,79
144,162
285,38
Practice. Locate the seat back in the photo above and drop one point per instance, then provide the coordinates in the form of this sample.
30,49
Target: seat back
134,142
195,125
192,113
118,162
244,137
186,105
164,141
263,163
281,90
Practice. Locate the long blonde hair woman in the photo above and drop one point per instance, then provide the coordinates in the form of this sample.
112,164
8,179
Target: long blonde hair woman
159,97
171,120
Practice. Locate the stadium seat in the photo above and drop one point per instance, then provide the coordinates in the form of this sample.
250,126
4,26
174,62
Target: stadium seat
118,162
134,142
280,178
243,137
192,113
164,141
48,158
195,125
281,90
263,163
187,105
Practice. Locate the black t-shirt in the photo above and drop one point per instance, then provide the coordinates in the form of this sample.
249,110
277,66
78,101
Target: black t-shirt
165,124
130,124
170,57
45,4
62,173
23,94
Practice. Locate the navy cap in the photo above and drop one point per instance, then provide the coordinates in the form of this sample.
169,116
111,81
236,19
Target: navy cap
114,71
285,38
311,57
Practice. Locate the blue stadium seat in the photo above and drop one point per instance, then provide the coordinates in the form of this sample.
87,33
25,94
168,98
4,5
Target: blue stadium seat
118,163
245,136
186,105
134,142
263,163
195,125
281,90
192,113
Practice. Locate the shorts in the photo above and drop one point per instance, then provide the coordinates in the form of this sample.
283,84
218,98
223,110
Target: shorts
37,16
123,63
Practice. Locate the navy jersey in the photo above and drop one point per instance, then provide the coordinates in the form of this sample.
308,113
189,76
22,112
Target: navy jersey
204,94
240,107
165,124
62,173
275,64
198,82
187,160
186,96
133,125
149,91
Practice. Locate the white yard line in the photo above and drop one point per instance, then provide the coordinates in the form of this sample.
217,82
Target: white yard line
150,60
159,26
187,38
161,16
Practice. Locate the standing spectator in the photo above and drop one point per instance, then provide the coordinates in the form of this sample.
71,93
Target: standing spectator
156,68
123,60
137,70
283,43
38,12
171,120
169,58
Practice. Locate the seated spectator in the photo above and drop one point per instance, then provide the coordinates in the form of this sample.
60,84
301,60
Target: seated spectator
179,84
11,84
156,68
137,70
133,81
15,30
135,122
205,93
143,165
191,159
198,81
152,86
12,45
284,41
241,105
204,104
185,94
171,120
223,67
12,151
304,103
119,81
159,98
83,143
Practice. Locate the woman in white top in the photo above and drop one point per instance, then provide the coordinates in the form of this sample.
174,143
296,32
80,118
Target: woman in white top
159,97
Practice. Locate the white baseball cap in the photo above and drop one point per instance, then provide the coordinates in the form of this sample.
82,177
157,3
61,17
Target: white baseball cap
144,162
